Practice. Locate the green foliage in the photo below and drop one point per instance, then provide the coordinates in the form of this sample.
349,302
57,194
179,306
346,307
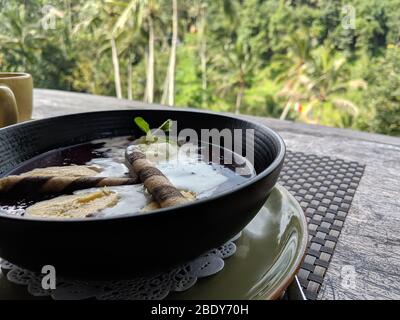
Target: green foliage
383,95
188,80
278,58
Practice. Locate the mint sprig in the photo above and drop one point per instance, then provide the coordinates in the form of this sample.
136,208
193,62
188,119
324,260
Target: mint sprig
145,127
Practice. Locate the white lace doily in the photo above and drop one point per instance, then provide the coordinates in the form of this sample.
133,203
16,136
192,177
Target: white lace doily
156,287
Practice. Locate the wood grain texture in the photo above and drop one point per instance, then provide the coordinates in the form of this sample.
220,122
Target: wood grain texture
369,243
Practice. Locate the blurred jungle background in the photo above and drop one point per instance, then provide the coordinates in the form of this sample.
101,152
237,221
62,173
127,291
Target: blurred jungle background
330,62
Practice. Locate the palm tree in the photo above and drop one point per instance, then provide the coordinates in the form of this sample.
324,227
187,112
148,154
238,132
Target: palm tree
328,83
294,65
315,77
99,20
236,62
168,96
203,50
149,93
198,11
236,65
115,60
133,17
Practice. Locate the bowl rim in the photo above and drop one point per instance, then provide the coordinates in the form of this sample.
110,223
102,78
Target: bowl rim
274,164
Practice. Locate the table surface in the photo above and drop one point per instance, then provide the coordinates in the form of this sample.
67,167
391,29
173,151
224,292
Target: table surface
369,244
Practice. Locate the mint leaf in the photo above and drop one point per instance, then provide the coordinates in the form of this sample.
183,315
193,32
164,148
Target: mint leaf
142,124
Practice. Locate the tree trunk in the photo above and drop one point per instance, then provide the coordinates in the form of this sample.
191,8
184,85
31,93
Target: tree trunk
239,98
285,110
165,89
149,96
169,84
67,4
203,56
115,61
203,60
130,89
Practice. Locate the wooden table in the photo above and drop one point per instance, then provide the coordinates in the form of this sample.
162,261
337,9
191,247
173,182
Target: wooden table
370,240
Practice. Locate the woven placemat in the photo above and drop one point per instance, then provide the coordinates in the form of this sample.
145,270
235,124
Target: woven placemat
324,187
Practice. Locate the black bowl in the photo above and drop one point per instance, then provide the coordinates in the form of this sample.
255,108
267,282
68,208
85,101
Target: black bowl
131,244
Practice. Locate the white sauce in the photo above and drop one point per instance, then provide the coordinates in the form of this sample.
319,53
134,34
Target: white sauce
193,175
185,172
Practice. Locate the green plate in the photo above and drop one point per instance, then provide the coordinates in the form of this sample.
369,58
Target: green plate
268,256
269,253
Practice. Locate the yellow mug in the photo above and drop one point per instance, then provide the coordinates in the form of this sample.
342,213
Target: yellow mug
16,97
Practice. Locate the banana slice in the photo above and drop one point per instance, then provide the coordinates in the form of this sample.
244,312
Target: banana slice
74,206
67,171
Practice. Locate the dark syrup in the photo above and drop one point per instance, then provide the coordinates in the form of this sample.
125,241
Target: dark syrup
82,154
